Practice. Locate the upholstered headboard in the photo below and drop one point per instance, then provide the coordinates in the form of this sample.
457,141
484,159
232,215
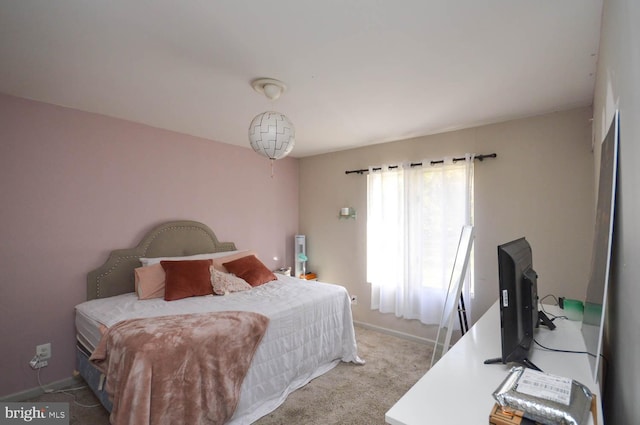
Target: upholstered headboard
171,239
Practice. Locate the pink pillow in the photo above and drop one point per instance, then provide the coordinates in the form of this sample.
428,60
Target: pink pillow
186,279
225,283
251,270
149,282
218,262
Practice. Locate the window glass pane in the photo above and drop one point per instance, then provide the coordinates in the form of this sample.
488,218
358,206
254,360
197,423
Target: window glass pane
443,215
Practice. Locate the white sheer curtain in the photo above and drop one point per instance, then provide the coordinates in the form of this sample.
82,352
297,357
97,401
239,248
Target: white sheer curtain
414,219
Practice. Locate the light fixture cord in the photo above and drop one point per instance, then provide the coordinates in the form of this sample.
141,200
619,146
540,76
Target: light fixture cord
272,168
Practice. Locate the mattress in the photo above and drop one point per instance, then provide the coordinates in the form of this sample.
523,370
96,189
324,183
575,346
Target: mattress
310,331
88,330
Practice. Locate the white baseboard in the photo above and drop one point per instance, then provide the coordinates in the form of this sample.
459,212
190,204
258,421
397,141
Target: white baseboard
399,334
72,381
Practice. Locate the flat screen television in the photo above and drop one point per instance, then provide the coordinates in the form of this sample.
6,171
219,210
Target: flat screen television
519,315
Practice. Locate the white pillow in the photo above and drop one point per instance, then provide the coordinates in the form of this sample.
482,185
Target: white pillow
225,283
206,256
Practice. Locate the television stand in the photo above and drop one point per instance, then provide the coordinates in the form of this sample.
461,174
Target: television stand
525,362
528,363
544,319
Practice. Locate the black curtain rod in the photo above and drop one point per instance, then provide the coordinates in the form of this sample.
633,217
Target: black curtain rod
416,164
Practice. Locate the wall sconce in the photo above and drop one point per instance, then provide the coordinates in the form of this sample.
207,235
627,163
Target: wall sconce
347,212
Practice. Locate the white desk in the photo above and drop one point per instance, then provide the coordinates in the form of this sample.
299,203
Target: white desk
460,385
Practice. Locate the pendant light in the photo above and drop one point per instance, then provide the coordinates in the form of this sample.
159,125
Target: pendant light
271,133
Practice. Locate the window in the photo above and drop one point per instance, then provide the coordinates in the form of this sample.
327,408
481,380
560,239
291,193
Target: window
414,219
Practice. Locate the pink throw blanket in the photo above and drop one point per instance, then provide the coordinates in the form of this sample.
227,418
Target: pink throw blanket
184,369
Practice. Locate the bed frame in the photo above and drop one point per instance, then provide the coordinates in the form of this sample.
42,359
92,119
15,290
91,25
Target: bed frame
171,239
115,276
322,348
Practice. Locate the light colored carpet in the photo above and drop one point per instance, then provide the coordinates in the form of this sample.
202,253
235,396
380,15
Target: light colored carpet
353,394
348,394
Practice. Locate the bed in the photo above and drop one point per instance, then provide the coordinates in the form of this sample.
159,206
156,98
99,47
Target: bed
309,331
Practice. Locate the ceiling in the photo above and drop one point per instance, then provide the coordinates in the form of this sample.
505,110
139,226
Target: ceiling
358,72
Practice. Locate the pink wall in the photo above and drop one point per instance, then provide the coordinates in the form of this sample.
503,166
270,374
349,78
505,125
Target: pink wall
75,185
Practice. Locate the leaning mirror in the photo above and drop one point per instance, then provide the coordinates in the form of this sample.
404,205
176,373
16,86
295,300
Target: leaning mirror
452,300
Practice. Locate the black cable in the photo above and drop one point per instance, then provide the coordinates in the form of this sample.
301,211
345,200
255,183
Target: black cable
605,367
552,296
565,351
606,361
553,316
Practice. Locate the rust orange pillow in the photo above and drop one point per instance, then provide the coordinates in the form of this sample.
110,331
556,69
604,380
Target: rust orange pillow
185,279
251,270
218,262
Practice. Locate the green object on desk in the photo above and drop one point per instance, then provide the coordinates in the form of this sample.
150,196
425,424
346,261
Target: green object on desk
573,309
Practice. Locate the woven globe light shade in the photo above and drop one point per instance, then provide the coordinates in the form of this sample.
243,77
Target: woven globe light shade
271,134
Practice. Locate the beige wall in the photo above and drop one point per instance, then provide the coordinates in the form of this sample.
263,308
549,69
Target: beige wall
540,186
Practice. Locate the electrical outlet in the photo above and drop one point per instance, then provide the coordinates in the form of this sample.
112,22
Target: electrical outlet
354,299
44,351
36,363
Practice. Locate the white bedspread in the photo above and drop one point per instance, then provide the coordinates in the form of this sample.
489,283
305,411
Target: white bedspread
310,331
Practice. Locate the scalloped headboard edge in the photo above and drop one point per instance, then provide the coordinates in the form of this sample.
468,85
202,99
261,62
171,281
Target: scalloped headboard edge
171,239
